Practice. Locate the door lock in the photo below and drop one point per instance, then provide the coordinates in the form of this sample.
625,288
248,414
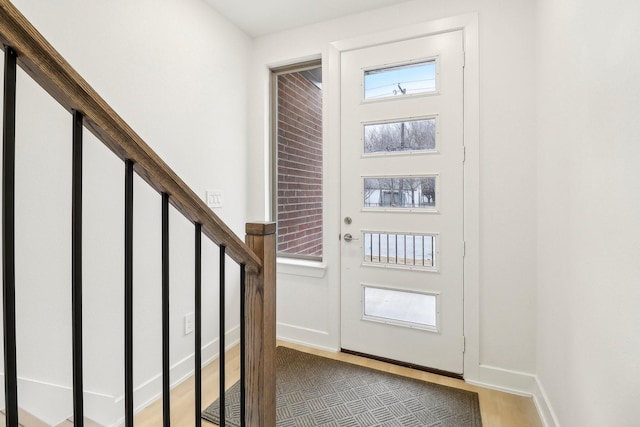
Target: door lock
348,237
347,220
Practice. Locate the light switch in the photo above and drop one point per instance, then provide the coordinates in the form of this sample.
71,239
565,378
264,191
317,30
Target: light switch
214,198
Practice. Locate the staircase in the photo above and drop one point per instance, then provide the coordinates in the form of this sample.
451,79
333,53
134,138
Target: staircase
25,47
28,420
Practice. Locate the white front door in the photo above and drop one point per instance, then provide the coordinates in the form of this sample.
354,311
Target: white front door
402,157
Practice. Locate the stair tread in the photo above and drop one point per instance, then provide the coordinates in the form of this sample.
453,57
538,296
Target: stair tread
25,419
87,423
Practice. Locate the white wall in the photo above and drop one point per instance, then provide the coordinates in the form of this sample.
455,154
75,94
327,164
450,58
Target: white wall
558,175
175,71
308,307
588,345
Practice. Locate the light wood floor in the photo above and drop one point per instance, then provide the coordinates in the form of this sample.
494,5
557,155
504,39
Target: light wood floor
498,409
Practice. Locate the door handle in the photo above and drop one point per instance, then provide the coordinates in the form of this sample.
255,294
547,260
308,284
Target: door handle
348,237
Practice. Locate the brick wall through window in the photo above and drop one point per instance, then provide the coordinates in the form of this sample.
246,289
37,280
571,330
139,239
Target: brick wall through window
299,163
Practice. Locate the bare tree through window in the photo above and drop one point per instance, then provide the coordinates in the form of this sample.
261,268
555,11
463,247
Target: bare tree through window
403,192
411,135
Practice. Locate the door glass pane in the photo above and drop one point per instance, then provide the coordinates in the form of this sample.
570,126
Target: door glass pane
401,80
400,193
403,250
411,135
400,306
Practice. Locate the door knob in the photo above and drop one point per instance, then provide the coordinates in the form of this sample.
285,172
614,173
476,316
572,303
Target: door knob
348,237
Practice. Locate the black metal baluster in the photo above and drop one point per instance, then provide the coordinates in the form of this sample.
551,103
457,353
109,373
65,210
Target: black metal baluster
396,249
76,270
8,239
166,382
198,326
387,248
243,347
222,338
413,238
128,293
404,244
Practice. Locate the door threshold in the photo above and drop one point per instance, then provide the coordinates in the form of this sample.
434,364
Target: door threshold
405,364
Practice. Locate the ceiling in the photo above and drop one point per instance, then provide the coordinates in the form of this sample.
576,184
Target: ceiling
260,17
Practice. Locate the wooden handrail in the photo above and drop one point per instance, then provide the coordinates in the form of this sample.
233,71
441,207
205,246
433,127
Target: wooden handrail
49,69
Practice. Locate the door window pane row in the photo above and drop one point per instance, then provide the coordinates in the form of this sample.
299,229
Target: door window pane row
400,307
400,193
402,136
398,249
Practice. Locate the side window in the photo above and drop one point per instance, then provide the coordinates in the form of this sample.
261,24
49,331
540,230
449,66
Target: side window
297,153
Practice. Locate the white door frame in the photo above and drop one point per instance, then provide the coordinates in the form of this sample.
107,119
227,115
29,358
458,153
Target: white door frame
468,24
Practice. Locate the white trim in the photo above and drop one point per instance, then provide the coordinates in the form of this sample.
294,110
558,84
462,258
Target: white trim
310,345
505,380
438,26
301,267
304,336
519,383
543,405
469,23
51,402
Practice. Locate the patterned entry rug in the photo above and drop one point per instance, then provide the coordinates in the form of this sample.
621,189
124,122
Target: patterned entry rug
316,391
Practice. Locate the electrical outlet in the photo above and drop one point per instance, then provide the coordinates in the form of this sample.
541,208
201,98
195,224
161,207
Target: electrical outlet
188,323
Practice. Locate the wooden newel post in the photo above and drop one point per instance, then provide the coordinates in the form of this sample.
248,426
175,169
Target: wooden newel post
260,328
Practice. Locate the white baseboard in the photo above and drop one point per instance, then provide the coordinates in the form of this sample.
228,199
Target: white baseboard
310,345
107,410
305,336
151,390
520,383
53,403
509,381
543,405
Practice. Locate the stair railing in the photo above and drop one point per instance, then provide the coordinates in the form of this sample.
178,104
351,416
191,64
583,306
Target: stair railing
24,46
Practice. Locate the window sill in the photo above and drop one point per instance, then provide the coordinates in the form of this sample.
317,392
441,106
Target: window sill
301,267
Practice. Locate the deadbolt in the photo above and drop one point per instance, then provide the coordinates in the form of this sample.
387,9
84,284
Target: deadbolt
347,220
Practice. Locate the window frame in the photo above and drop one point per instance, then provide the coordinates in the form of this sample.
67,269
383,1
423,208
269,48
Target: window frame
273,122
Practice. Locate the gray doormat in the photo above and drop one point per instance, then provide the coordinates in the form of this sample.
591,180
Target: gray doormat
316,391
